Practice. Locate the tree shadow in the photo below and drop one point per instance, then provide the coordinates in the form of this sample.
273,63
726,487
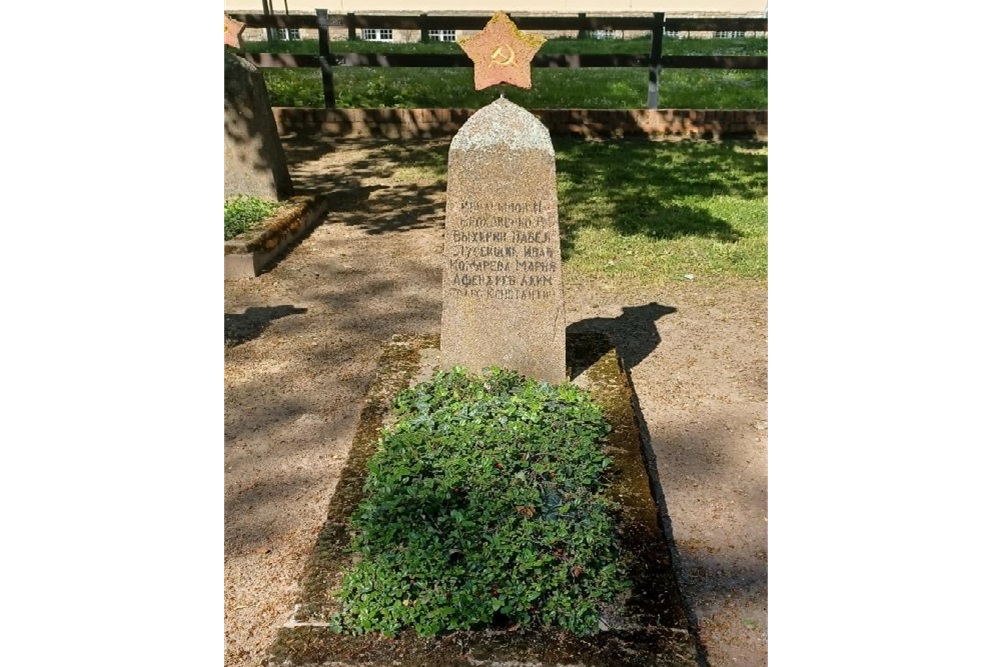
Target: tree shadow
380,187
400,208
635,187
240,328
638,187
384,157
633,332
430,154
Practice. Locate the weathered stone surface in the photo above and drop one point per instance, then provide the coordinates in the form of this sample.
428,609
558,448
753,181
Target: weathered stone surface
248,254
255,161
503,296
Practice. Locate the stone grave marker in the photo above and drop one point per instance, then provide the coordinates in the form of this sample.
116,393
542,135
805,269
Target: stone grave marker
503,297
254,159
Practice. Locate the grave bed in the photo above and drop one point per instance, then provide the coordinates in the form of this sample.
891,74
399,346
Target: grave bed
249,253
647,627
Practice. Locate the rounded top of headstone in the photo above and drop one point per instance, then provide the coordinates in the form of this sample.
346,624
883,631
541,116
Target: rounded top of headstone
503,123
235,62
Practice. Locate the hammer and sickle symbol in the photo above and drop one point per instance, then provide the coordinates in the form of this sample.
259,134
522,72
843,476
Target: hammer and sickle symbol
502,56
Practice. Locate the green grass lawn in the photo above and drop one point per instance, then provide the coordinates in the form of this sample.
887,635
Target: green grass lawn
553,88
596,88
640,214
650,213
632,212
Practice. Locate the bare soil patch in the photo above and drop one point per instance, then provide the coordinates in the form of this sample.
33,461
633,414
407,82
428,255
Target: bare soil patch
303,339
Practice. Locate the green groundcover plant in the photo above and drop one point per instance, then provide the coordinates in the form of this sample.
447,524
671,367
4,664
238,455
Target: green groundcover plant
484,508
243,212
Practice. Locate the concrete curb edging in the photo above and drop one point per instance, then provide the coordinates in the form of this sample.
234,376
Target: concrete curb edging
247,255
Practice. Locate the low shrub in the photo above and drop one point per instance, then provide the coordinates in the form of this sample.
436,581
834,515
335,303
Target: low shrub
243,212
484,508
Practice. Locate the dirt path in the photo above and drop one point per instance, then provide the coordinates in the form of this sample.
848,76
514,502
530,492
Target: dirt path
302,343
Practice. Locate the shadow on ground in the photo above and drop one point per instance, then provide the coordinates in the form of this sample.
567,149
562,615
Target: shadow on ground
377,186
644,188
239,328
633,332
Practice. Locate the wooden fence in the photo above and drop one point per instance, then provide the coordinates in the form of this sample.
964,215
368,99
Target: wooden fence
656,24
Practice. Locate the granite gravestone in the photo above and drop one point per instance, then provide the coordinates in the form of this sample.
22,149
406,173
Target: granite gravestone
503,298
254,160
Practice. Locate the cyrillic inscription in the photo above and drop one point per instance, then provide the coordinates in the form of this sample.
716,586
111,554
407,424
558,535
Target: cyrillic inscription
514,250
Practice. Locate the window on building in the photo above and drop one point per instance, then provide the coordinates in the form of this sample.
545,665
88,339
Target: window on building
287,34
376,34
441,35
730,34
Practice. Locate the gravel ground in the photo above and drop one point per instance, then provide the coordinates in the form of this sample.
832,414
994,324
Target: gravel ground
302,341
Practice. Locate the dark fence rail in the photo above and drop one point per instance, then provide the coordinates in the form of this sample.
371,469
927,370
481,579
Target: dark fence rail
656,24
478,21
571,61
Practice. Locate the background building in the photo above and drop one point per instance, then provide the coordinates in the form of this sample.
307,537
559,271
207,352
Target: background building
692,8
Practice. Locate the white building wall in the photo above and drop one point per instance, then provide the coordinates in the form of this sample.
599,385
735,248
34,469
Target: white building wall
687,7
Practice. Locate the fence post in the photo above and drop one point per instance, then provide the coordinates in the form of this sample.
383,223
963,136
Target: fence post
424,31
655,52
326,70
581,33
352,31
269,32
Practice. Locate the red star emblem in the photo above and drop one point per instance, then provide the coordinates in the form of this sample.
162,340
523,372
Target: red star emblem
233,30
501,53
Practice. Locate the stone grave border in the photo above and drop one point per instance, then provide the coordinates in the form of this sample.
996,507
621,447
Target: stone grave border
248,254
650,628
